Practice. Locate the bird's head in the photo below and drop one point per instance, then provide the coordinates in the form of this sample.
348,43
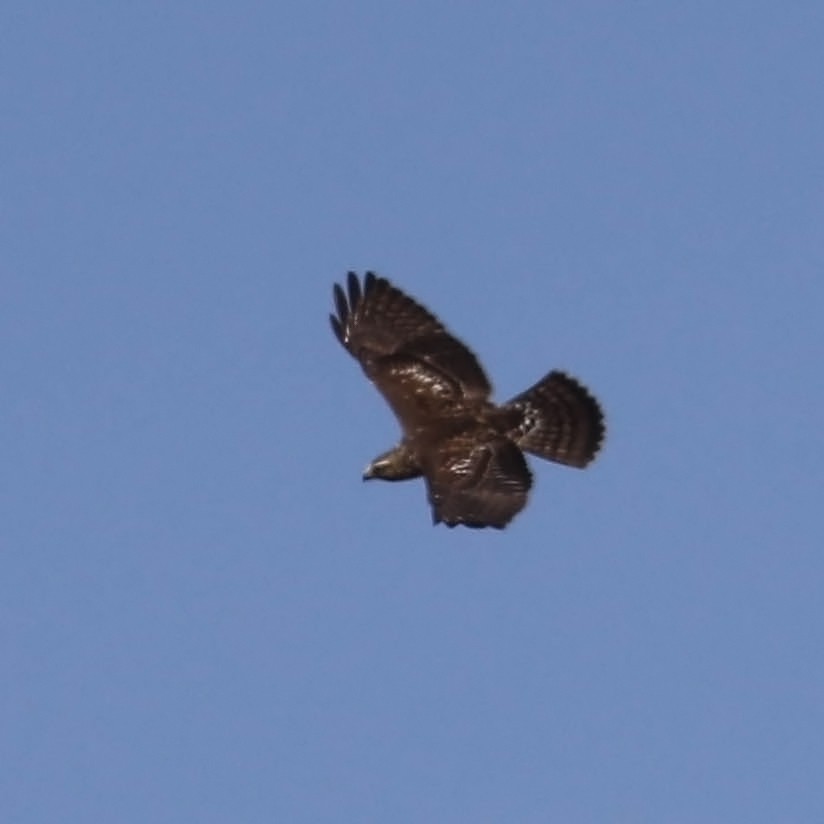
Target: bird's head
398,464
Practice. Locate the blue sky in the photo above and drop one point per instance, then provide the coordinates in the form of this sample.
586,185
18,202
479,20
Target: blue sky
205,615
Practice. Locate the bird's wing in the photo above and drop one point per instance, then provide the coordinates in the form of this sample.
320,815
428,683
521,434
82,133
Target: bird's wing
420,368
477,483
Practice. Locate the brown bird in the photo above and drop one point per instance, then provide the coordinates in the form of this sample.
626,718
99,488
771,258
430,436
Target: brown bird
468,450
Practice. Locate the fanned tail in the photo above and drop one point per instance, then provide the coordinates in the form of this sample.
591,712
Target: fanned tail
558,420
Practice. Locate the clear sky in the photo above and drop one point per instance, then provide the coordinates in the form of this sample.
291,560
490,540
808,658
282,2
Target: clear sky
205,615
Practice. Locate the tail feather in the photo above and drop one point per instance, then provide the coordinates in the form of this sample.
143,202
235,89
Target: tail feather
559,421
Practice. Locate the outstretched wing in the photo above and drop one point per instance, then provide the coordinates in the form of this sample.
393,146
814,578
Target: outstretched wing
419,367
477,483
559,420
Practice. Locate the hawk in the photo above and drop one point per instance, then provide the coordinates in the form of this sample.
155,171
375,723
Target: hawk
469,451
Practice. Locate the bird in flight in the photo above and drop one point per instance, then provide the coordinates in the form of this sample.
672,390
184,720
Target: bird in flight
469,451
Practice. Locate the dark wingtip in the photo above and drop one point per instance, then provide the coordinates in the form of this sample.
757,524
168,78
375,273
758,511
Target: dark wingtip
337,329
354,289
340,303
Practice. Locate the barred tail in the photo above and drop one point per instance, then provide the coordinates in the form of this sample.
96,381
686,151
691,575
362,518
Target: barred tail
559,421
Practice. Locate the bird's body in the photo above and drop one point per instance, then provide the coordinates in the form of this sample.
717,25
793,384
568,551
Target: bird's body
468,450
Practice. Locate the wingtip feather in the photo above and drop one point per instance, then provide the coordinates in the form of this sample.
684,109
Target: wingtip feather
337,329
354,289
340,303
